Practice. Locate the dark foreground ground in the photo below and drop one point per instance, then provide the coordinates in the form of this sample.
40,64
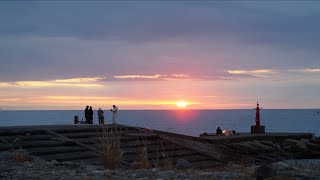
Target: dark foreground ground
38,169
72,152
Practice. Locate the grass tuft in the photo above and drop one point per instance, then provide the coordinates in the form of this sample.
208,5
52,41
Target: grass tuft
21,155
109,150
143,150
163,157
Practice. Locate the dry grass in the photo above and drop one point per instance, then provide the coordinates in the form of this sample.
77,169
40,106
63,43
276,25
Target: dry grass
18,155
167,160
21,155
163,159
109,150
143,150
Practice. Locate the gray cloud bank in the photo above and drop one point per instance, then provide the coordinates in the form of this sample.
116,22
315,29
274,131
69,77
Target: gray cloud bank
48,40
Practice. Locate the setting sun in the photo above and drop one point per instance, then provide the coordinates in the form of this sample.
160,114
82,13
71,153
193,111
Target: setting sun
182,104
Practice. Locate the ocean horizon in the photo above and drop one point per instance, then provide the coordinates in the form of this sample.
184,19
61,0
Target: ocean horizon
183,121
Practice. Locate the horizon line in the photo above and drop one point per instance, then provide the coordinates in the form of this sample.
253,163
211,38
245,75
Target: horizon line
160,109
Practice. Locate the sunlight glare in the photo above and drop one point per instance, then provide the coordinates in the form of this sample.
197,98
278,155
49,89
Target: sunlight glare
181,104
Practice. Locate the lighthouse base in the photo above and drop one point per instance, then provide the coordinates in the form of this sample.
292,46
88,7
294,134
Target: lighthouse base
257,130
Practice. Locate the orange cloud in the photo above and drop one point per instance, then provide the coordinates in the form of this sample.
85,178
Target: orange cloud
3,84
79,80
79,101
103,100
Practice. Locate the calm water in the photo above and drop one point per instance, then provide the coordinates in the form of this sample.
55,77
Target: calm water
190,122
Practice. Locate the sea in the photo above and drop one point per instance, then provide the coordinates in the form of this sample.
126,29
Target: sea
182,121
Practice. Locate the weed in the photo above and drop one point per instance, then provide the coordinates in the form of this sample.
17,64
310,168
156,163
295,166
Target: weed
143,150
109,150
21,155
163,159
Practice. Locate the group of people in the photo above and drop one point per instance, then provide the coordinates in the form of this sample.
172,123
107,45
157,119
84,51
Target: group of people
88,114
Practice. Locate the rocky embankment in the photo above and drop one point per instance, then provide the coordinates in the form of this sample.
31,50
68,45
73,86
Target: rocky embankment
35,168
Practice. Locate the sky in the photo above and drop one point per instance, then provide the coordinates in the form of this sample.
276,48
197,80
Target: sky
151,55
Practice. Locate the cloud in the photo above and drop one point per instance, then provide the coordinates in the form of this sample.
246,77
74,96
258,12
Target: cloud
5,84
157,76
39,84
180,75
254,73
299,76
78,80
128,21
313,70
259,71
106,38
90,82
163,77
74,82
306,70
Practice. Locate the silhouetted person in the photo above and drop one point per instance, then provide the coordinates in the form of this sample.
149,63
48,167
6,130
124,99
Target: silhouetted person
114,111
101,116
90,115
86,114
219,131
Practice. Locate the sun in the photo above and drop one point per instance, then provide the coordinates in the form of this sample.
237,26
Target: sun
182,104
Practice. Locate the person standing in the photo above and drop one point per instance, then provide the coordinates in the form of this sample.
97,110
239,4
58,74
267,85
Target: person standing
90,115
101,116
114,111
86,114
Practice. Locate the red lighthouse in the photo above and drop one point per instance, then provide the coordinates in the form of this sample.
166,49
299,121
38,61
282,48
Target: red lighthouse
257,129
257,115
